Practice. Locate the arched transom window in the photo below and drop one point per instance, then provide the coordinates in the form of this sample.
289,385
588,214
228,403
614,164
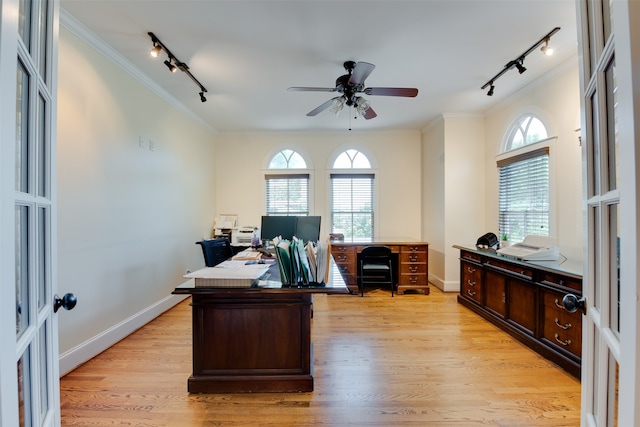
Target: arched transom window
287,190
524,181
352,206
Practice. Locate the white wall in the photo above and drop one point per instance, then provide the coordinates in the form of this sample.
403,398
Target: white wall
396,157
128,215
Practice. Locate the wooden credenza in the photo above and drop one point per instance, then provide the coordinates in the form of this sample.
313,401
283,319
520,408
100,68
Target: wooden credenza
525,299
412,263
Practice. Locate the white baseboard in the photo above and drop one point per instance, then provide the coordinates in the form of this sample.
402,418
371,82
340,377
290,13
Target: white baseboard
444,286
84,352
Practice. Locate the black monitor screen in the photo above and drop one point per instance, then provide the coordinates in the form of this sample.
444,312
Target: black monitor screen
273,226
308,228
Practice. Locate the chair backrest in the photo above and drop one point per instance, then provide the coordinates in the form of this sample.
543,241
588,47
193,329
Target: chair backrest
215,251
375,253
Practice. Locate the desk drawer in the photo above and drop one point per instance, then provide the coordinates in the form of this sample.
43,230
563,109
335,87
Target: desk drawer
413,257
412,279
559,280
413,268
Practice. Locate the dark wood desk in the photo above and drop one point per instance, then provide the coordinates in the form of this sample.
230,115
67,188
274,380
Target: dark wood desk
412,266
254,339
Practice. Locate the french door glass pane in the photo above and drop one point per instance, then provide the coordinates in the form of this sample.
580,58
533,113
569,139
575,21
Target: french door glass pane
41,151
596,261
24,22
24,388
594,157
22,130
595,396
614,274
612,395
42,30
612,125
43,263
22,269
44,369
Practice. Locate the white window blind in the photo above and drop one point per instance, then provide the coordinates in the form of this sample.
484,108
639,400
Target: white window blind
352,206
287,194
524,194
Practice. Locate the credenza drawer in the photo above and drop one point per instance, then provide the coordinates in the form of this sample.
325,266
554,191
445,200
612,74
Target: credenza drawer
561,328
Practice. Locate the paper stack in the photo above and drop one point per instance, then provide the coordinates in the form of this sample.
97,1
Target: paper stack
228,274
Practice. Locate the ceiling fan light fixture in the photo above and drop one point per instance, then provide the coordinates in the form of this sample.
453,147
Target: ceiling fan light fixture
337,105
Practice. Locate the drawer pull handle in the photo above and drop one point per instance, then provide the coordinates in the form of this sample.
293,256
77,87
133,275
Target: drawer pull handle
565,343
413,258
413,280
561,282
471,270
565,327
413,269
559,304
470,283
471,293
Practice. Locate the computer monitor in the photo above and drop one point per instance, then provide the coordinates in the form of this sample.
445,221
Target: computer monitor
308,228
273,226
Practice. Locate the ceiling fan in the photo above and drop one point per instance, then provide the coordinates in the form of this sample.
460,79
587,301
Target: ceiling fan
350,85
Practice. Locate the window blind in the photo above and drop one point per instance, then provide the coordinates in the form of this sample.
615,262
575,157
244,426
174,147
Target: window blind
524,195
287,194
352,205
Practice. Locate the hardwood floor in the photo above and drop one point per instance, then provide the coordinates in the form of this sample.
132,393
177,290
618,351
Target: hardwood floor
412,360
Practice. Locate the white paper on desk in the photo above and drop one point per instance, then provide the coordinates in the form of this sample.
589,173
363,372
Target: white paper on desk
233,270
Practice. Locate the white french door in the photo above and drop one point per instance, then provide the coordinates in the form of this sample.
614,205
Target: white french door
29,379
610,56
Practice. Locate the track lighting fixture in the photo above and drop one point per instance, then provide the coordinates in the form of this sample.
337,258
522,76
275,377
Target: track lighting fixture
170,66
173,63
155,50
546,49
519,62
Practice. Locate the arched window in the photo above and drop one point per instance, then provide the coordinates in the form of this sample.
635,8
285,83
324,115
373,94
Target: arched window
524,180
287,191
352,206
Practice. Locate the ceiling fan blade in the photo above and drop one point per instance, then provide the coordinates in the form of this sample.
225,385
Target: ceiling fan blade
369,113
392,91
361,72
322,107
312,89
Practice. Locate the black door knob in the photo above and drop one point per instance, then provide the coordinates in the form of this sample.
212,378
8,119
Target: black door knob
68,301
572,303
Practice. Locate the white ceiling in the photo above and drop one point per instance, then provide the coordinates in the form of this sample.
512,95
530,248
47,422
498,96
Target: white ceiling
247,53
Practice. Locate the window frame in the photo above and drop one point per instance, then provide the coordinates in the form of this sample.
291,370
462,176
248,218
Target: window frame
523,152
288,173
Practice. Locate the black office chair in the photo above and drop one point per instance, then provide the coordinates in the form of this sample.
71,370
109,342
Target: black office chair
376,267
215,251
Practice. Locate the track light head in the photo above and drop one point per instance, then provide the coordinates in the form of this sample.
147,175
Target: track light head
170,66
491,88
155,50
202,97
519,66
546,49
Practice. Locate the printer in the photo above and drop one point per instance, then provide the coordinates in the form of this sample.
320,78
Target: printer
241,236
